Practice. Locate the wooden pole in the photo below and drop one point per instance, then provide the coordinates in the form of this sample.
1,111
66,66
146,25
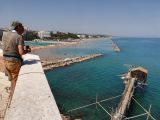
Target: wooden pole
149,111
96,100
144,109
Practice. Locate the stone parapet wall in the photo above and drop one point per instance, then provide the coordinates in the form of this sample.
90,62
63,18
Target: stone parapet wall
32,99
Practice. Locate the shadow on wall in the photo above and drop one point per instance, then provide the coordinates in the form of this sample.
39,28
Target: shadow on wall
30,62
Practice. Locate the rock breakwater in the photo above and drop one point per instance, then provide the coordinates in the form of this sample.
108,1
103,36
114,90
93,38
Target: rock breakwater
115,46
49,65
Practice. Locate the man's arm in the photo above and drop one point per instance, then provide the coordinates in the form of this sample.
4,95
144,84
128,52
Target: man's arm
21,50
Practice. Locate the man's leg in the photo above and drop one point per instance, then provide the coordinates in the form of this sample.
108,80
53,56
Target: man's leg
13,71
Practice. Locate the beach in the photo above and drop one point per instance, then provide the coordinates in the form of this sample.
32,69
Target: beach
64,43
60,44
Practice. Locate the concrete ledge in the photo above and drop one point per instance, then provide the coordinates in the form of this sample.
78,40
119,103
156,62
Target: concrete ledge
32,99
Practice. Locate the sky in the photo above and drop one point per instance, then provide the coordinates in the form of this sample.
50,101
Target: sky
112,17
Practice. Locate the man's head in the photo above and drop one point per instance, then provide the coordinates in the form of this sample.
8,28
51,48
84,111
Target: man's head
16,25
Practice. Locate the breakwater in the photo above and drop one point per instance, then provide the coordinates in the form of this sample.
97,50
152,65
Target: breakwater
49,65
115,46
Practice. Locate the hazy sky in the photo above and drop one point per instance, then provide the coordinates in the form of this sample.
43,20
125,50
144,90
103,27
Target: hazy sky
115,17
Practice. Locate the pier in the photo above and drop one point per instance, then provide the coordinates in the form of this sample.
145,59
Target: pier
49,65
115,46
135,77
131,79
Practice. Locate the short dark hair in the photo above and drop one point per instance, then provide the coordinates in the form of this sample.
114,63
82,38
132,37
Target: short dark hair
15,25
20,25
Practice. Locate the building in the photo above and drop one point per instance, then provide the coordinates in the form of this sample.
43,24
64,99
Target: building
44,34
81,36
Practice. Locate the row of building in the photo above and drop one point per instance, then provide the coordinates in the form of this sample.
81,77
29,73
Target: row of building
48,34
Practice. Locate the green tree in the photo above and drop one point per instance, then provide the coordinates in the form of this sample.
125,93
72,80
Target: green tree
30,35
51,33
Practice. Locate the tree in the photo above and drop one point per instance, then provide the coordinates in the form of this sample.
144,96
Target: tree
51,33
30,35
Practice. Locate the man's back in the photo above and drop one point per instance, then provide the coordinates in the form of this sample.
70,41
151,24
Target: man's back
13,49
10,41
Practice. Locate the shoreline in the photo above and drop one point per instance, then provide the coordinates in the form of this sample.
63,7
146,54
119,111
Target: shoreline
49,65
65,43
61,44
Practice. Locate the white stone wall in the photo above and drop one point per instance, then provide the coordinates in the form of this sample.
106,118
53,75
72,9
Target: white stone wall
32,99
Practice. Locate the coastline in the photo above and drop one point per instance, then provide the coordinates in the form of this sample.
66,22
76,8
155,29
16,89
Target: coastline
65,43
49,65
60,44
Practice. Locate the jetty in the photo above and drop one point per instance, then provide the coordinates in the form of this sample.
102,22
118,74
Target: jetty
134,77
49,65
115,46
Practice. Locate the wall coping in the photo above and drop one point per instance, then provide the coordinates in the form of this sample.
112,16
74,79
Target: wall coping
32,99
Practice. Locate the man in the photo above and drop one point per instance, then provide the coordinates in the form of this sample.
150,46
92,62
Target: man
13,49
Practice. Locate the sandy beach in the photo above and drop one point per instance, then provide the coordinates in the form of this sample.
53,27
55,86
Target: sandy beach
63,44
60,44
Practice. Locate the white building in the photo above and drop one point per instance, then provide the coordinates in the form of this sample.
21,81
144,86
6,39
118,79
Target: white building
44,34
81,36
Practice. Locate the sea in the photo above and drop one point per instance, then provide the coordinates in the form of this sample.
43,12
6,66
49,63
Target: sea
83,83
40,43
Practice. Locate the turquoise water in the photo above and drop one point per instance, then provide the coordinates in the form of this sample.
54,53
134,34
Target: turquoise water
32,43
78,84
74,50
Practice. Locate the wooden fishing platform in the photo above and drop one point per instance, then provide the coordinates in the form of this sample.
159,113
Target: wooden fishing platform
135,77
131,80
